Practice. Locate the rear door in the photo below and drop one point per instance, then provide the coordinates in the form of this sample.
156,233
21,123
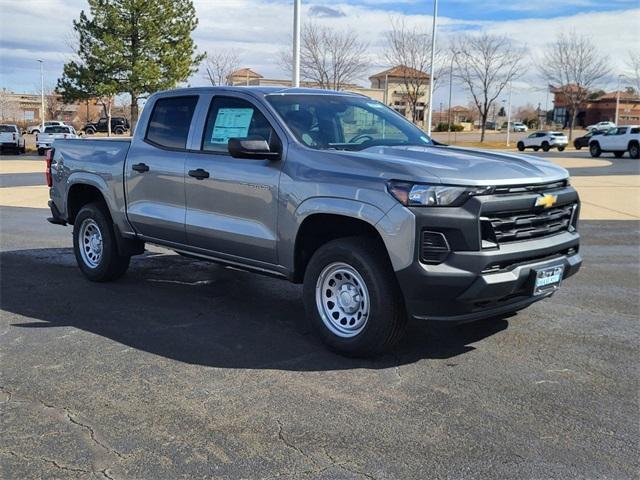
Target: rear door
154,170
232,212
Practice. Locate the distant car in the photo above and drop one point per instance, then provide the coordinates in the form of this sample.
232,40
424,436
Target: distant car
119,125
601,126
45,139
11,138
519,127
618,141
544,140
583,141
35,129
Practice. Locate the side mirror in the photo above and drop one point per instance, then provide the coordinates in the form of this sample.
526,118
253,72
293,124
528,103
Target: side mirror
252,149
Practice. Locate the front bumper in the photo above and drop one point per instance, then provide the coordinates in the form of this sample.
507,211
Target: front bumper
474,282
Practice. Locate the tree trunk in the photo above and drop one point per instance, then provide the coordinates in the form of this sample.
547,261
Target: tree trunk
134,110
572,123
108,111
483,124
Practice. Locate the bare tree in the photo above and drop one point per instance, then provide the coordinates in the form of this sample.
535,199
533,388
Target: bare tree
220,65
410,49
329,58
9,106
573,66
485,65
633,67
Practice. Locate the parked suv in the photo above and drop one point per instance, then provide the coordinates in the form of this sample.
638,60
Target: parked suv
618,141
119,125
544,140
330,189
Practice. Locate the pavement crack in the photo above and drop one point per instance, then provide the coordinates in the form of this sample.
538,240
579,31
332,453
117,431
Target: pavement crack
345,465
92,434
50,461
290,445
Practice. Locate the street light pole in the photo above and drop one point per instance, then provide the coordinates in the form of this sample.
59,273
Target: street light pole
41,93
450,89
509,115
433,59
296,43
618,99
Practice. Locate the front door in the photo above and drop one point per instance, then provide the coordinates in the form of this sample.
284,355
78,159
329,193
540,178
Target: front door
232,203
154,172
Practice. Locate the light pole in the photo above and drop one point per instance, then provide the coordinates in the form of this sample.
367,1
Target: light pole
450,89
618,99
509,115
433,59
296,43
41,94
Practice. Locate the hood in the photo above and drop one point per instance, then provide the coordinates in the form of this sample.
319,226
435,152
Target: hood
463,166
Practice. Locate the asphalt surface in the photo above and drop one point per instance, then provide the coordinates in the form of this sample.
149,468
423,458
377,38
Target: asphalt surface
184,369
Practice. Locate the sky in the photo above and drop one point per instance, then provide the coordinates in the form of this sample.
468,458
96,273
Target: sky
258,30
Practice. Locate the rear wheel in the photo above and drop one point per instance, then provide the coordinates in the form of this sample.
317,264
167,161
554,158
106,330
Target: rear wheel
594,149
618,154
95,246
89,131
352,297
119,131
521,146
634,150
561,149
545,146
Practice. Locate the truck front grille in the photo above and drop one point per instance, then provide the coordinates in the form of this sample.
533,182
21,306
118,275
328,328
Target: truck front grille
502,227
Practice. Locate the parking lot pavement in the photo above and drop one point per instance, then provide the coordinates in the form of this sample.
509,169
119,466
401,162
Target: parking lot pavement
186,369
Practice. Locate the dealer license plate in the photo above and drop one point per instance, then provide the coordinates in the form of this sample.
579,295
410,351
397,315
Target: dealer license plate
547,279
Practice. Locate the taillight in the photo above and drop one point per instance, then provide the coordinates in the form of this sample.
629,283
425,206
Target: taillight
14,137
47,172
65,135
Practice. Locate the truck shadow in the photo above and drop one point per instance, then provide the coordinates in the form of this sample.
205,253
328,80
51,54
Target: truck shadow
198,313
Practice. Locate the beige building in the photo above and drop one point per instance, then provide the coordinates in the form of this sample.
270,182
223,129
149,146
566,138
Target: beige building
388,86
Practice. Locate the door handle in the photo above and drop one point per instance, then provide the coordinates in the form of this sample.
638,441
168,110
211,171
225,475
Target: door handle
200,174
140,167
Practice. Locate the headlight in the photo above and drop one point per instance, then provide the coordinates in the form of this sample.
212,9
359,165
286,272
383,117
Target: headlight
420,195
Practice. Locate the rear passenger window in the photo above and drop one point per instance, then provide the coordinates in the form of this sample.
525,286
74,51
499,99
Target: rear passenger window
635,130
170,121
235,118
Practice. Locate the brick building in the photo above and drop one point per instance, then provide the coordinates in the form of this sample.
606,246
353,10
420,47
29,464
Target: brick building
598,108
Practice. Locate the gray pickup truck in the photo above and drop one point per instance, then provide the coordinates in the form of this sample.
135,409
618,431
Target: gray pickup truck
330,189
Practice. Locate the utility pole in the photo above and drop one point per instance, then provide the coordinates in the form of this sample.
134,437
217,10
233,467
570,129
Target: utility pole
296,43
41,94
618,99
509,115
433,59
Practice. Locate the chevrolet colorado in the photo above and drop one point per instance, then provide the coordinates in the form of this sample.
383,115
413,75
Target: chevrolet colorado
329,189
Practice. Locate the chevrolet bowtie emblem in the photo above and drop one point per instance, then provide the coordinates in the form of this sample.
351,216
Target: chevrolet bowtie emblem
546,201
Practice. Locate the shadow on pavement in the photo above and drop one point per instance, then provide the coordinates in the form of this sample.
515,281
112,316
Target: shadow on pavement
199,313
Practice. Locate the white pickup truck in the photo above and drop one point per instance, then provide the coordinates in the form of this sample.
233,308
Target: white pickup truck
11,138
45,139
618,140
35,129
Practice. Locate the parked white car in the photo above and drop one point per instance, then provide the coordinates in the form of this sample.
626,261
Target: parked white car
519,127
618,140
35,129
11,138
600,127
45,140
544,140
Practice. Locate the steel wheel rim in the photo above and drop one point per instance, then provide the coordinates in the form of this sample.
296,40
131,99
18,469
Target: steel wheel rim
90,239
342,300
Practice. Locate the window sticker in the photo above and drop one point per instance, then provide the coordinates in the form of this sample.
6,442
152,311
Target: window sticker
231,123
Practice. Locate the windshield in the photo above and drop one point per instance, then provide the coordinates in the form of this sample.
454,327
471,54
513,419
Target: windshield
57,129
343,122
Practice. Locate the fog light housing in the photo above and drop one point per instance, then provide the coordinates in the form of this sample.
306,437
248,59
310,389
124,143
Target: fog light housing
434,247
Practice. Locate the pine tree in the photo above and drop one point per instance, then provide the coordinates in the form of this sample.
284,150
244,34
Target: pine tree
141,46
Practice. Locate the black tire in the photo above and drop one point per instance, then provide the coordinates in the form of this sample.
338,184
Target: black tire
521,146
634,150
386,318
618,154
110,265
577,146
41,151
561,149
89,131
535,149
119,131
35,132
545,146
595,150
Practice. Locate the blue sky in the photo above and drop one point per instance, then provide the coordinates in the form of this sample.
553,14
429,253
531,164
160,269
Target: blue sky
258,30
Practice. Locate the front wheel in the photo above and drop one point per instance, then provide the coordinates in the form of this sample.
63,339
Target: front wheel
95,246
545,146
521,146
594,149
561,149
634,151
352,297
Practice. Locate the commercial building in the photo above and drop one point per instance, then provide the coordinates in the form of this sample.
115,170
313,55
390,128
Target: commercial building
599,107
